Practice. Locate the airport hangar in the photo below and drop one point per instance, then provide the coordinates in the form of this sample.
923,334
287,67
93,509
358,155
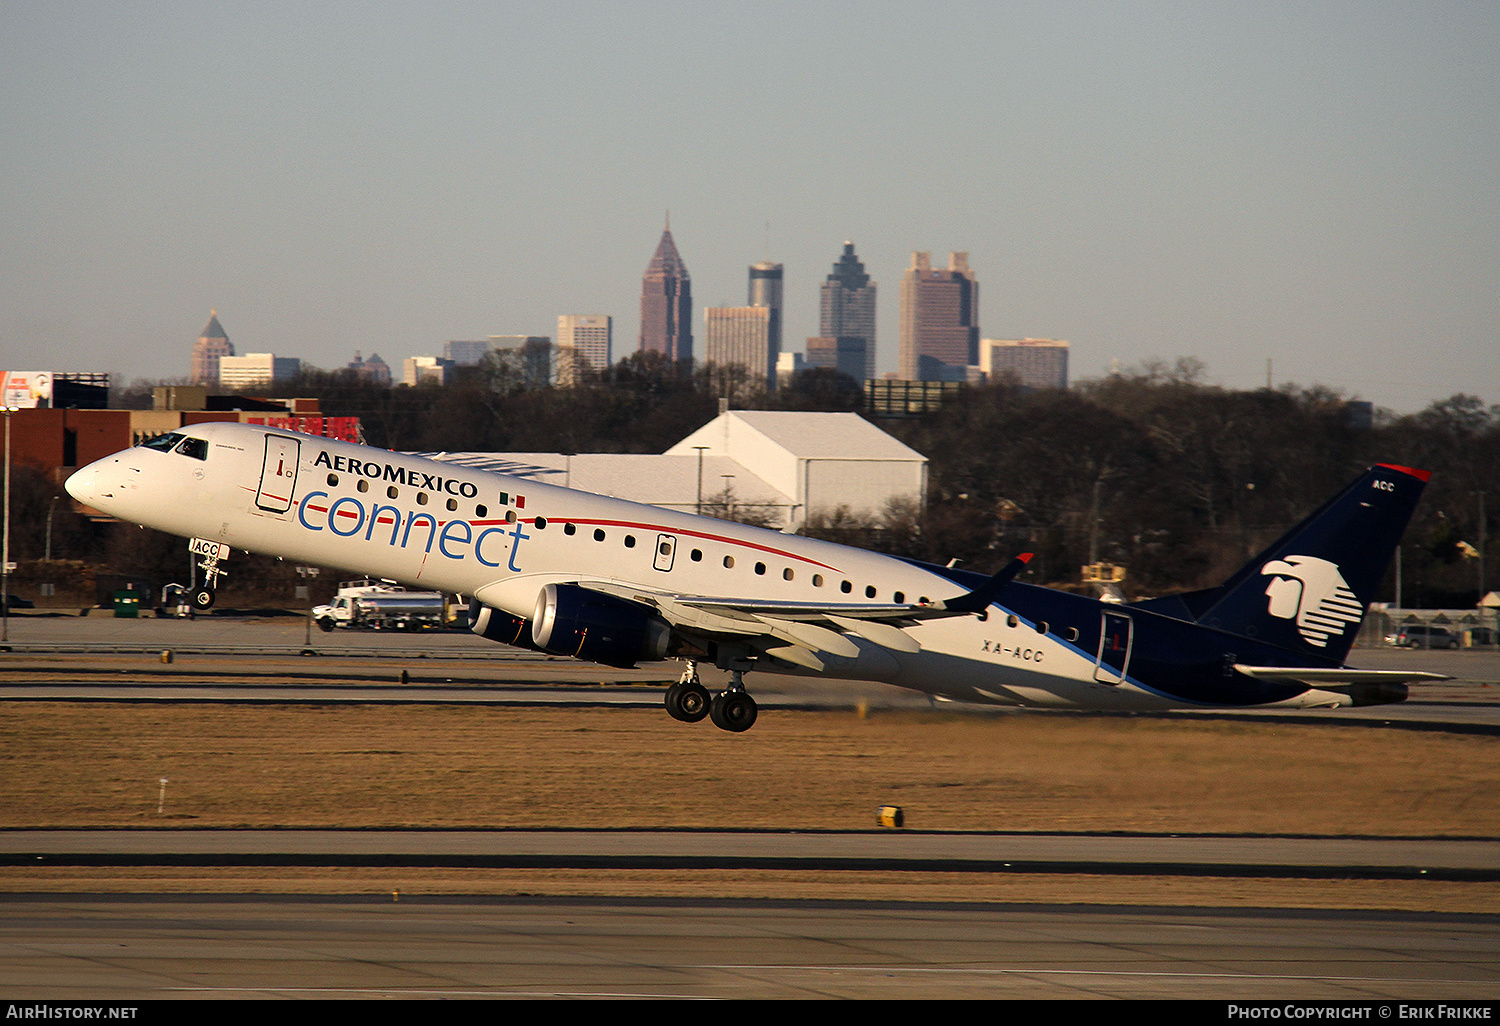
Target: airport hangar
779,464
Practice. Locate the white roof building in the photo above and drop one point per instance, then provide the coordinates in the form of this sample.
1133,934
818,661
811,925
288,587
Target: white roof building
781,463
821,460
256,369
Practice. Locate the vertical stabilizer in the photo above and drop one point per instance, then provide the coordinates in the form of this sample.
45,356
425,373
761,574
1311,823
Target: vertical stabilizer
1308,592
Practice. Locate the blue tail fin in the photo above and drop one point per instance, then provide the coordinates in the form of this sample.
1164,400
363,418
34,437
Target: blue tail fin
1308,592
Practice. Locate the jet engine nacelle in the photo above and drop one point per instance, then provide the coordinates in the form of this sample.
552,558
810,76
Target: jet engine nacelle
576,621
497,625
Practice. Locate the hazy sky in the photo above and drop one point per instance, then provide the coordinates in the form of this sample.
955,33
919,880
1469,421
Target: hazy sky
1314,183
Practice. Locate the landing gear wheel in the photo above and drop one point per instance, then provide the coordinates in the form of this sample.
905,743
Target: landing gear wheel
733,710
687,702
203,598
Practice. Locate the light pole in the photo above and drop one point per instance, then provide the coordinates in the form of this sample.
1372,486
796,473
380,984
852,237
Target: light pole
5,543
1481,549
50,507
700,449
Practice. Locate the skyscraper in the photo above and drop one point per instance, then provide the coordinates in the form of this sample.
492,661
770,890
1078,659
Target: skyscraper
584,342
765,290
847,309
374,370
466,353
255,369
210,347
667,303
939,319
526,359
847,354
1029,362
741,336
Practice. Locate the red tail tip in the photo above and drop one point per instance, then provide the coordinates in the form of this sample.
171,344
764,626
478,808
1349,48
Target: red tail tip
1421,475
1025,557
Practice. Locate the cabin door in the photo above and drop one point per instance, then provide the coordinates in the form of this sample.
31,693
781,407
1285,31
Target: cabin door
1114,648
278,475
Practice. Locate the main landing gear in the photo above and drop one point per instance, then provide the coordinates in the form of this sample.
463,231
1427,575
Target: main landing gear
732,709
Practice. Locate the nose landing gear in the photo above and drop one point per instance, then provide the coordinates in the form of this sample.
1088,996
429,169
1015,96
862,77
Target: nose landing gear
211,553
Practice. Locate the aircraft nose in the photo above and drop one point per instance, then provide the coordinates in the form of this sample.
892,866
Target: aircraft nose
80,484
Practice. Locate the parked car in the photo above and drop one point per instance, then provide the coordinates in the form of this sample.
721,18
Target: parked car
1423,636
17,602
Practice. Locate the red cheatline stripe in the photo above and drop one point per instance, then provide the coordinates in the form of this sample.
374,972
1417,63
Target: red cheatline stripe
696,534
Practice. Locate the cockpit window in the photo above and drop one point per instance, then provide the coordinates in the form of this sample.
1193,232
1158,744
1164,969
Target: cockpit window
197,448
163,443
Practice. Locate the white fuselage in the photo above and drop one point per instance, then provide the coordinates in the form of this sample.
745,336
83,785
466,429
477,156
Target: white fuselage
500,540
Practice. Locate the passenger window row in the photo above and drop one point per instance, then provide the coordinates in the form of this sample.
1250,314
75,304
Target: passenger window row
696,555
1042,627
423,498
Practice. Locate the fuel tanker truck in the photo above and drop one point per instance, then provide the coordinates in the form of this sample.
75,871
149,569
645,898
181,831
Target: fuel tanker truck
379,605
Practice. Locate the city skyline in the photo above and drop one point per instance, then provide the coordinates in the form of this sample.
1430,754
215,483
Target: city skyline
1310,185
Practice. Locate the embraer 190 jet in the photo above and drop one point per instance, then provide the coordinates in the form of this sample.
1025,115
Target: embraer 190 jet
615,582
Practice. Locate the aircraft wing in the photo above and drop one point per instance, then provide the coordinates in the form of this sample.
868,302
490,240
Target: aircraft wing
795,632
806,633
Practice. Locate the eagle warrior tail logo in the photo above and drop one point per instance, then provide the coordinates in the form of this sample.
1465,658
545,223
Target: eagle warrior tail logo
1314,593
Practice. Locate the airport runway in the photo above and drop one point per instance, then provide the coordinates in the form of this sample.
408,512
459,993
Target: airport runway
123,949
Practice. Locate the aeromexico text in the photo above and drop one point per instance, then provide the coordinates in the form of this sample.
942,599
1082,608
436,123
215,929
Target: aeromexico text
399,475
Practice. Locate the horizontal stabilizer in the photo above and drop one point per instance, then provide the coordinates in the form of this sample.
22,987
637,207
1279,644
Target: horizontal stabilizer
1323,677
1363,687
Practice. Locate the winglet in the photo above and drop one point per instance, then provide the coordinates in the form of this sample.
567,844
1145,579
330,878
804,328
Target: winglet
978,600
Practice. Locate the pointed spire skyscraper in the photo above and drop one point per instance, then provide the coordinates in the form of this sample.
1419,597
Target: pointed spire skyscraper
667,303
211,345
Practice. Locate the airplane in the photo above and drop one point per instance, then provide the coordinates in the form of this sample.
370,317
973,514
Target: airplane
572,573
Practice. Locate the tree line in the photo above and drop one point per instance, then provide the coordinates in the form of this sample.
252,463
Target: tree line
1176,479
